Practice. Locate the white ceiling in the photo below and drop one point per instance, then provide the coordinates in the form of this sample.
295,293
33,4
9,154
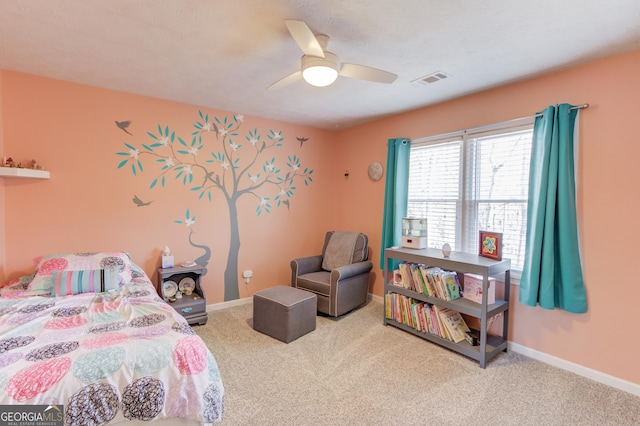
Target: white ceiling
223,54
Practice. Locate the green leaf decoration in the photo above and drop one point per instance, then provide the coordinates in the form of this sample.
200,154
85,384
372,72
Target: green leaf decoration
133,168
152,135
153,183
122,163
148,148
129,146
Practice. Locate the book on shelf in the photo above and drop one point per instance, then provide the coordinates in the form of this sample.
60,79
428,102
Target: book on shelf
454,323
388,309
397,278
412,312
430,287
452,284
431,281
435,275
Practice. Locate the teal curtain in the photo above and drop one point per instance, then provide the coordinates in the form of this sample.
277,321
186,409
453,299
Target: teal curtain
552,276
396,192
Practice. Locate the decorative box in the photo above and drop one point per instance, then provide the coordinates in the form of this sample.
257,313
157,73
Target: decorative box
473,288
167,262
414,232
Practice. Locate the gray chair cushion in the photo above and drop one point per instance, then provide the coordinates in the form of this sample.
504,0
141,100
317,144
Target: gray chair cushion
360,251
318,282
339,250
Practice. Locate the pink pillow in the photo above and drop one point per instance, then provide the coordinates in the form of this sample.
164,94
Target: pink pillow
47,265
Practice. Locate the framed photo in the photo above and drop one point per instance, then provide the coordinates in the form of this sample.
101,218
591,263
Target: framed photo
491,245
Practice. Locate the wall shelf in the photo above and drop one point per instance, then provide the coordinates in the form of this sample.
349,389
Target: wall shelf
15,172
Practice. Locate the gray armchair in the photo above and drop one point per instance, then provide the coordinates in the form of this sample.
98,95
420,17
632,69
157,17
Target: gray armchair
339,276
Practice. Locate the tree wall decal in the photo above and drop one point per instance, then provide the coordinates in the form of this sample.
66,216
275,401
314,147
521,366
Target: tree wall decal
223,170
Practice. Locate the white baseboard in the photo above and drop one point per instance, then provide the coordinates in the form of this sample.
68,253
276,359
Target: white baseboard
632,388
228,304
376,298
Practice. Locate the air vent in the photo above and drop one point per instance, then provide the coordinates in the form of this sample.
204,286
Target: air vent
431,78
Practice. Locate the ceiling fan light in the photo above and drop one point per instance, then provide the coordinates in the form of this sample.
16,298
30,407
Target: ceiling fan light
320,76
318,71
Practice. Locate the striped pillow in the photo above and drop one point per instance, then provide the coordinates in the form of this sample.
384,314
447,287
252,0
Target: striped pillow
87,281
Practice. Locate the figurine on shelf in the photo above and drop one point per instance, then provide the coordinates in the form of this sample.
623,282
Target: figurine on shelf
8,162
36,166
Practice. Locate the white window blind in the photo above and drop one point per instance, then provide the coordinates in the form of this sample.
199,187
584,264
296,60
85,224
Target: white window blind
472,180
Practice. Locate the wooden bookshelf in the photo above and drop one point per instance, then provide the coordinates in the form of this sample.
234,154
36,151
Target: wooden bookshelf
489,346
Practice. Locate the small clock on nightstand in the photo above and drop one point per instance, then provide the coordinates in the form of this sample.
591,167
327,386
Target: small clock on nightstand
180,287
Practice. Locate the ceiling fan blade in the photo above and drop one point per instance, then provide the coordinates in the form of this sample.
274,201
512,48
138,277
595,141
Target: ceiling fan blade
362,72
304,38
290,79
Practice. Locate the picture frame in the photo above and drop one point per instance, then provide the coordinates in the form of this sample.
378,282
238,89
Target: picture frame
490,245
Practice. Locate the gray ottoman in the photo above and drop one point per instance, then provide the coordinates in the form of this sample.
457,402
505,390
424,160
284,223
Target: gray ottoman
284,313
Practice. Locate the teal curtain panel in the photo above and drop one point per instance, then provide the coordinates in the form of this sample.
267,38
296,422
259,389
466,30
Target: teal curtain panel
552,275
396,193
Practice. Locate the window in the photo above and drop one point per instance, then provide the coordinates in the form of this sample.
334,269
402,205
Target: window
472,180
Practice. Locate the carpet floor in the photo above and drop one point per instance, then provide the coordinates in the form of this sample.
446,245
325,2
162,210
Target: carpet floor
355,371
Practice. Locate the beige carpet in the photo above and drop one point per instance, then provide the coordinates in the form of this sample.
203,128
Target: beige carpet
356,371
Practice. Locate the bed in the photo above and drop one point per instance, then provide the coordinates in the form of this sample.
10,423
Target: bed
89,332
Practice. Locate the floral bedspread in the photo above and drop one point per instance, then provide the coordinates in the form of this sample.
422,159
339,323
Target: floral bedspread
106,357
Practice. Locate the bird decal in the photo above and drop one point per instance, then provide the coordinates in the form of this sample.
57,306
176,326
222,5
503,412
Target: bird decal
302,140
138,202
123,125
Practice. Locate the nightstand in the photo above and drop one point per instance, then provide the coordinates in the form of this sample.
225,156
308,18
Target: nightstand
191,306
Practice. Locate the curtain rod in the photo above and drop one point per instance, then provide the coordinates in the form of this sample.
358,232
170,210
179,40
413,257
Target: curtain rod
495,125
583,106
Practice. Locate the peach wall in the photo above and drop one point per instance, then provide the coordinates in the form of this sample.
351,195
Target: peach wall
87,204
2,220
603,338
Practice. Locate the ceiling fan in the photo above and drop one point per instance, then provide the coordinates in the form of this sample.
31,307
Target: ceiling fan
320,67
